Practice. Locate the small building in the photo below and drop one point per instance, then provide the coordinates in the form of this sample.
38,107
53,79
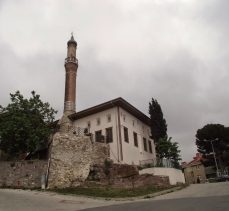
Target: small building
194,171
122,126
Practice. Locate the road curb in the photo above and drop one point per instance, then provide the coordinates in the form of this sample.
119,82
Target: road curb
147,196
126,199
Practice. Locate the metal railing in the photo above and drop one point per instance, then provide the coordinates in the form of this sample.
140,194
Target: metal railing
157,162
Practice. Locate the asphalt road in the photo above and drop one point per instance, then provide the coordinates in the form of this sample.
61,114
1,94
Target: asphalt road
25,200
212,203
199,197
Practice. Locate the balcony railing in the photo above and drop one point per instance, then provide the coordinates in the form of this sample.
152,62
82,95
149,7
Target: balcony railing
71,59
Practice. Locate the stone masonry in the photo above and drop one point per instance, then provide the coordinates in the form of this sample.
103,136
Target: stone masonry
123,176
71,159
22,174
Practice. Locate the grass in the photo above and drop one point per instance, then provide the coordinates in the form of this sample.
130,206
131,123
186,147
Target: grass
108,192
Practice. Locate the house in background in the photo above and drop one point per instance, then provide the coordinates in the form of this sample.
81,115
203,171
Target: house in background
194,171
122,126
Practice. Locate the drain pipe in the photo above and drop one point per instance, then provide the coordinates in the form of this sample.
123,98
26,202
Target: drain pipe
47,174
49,161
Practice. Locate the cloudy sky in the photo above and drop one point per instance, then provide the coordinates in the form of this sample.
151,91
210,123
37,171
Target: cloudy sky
173,50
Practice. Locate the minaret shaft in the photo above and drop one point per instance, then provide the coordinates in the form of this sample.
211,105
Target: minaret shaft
71,65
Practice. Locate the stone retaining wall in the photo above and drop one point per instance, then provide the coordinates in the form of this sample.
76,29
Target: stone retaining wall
123,176
71,159
22,174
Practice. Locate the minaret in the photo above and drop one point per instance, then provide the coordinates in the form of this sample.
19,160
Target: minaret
71,65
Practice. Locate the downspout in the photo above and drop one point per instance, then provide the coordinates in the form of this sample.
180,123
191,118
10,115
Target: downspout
49,161
47,173
120,136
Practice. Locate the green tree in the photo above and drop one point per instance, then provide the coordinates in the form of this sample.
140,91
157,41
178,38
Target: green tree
157,121
170,150
174,154
24,124
165,148
213,136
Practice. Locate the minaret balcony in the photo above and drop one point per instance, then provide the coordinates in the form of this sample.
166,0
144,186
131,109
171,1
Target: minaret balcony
71,60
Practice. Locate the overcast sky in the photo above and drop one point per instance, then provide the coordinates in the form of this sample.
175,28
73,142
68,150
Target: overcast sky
176,51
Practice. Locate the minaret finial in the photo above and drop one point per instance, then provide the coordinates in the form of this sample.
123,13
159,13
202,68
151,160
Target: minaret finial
72,37
72,40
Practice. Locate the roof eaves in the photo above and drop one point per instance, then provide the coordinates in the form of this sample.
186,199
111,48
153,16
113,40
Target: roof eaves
109,104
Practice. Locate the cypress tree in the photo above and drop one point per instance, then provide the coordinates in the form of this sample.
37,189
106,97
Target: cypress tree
157,121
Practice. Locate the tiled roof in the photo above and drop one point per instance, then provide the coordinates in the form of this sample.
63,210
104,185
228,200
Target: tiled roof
196,161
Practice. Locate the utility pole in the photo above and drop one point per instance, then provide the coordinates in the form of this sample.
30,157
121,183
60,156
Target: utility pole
217,169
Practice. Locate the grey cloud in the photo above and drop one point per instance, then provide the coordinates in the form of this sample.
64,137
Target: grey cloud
174,51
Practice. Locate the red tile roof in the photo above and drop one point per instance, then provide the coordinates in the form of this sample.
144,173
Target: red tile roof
196,161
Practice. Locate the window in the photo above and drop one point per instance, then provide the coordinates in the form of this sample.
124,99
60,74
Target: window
150,146
108,118
98,121
133,122
124,117
98,136
109,135
135,139
145,144
126,138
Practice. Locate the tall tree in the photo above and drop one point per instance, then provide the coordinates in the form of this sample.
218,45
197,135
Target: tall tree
168,149
174,154
24,124
158,123
165,148
213,136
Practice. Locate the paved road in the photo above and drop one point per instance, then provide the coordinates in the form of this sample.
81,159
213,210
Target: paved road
24,200
199,190
198,197
201,197
212,203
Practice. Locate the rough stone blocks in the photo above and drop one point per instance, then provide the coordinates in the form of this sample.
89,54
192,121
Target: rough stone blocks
71,159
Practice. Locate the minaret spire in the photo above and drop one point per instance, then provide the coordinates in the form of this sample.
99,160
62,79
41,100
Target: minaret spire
71,66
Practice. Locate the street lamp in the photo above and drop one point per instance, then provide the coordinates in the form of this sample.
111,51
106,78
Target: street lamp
217,169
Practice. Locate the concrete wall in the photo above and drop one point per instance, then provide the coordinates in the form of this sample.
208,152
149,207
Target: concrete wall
22,174
175,175
131,154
